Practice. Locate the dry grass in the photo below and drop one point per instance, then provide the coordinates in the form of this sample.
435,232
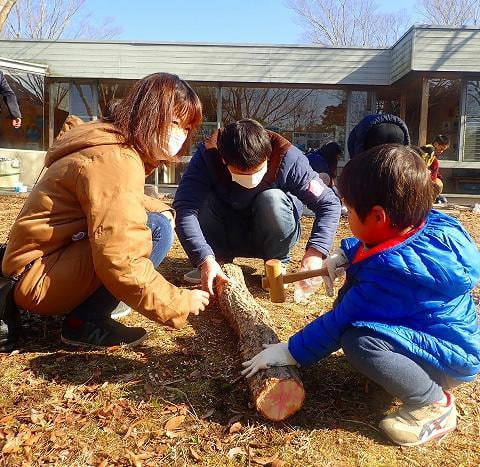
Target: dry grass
174,401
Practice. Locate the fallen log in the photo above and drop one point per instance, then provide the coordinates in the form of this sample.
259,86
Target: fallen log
278,391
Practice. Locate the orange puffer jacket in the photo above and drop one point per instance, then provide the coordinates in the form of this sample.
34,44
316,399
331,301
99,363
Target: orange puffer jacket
93,187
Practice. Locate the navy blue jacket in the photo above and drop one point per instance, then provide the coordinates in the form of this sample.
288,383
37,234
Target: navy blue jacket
318,162
9,98
288,170
358,136
417,293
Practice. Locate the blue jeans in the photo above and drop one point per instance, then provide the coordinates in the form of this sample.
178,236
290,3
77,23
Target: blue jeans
101,303
267,229
414,382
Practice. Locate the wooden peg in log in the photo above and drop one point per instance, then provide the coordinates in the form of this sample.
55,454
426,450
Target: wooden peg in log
278,391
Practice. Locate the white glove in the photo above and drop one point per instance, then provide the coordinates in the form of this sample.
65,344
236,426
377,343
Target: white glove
336,264
272,355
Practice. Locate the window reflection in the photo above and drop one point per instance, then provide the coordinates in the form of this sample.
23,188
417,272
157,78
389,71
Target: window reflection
444,113
306,117
29,89
472,122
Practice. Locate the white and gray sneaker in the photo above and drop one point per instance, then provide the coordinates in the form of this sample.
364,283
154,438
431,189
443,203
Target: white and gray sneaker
120,311
410,426
193,277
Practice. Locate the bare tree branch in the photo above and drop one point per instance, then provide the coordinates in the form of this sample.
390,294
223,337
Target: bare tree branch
5,7
54,19
348,22
451,12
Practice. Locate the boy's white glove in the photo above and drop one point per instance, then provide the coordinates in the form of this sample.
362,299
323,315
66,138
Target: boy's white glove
272,355
336,265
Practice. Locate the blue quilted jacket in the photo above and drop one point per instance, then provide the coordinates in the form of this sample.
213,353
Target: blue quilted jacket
416,293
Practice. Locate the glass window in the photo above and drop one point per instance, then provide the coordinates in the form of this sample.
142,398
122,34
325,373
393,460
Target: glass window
471,146
108,90
84,101
306,117
388,101
444,113
29,89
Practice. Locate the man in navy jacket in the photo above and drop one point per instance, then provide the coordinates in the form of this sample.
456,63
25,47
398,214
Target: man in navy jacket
242,195
10,101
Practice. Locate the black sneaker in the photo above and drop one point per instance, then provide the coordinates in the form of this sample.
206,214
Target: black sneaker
9,328
100,334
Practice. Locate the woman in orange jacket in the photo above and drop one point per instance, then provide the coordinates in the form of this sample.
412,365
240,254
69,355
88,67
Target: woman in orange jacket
88,238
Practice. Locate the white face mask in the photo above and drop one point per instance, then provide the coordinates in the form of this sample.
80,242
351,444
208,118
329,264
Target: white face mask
175,141
250,180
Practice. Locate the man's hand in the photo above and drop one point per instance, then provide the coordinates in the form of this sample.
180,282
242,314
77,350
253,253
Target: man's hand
210,271
198,301
17,122
272,355
312,259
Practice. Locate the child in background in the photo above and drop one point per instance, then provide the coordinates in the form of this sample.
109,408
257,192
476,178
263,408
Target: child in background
431,153
325,161
405,317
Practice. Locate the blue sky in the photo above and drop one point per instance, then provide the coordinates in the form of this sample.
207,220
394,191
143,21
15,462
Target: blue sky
240,21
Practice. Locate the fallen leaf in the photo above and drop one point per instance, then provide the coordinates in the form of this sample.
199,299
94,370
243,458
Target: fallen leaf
235,428
278,463
208,414
7,419
195,454
236,452
174,434
104,463
70,393
235,418
264,460
148,389
12,445
174,422
32,439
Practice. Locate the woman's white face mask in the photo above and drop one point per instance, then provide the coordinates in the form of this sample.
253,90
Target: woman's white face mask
250,180
176,138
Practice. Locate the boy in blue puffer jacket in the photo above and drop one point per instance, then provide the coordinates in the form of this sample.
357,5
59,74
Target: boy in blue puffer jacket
405,316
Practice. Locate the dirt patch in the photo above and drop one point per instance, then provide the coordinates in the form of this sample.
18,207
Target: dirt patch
176,401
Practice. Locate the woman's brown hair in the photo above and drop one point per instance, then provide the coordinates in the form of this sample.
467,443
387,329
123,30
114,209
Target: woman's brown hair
145,114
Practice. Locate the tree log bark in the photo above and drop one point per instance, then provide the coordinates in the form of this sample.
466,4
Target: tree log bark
278,391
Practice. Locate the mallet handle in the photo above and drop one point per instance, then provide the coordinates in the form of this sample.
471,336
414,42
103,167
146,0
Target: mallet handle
300,276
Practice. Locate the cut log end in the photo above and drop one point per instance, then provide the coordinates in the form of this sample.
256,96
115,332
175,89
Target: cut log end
279,399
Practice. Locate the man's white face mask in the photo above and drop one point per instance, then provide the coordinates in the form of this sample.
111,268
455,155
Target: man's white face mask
176,138
250,180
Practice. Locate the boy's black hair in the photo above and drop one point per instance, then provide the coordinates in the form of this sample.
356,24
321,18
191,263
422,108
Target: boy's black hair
444,140
244,144
391,176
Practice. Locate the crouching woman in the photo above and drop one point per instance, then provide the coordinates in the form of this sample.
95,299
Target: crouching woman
88,238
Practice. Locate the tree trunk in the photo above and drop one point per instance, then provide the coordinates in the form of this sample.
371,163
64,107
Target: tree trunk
277,392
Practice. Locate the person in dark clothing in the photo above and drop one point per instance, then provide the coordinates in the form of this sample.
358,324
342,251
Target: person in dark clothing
324,161
10,101
242,194
377,129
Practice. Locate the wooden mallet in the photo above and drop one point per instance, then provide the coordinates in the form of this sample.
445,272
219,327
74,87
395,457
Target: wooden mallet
275,279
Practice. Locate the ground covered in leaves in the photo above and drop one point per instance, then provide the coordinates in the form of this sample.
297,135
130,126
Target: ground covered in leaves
177,399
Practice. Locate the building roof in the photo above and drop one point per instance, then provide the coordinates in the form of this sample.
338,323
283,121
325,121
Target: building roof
421,48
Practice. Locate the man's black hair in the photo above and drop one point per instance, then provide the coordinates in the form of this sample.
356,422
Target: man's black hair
244,144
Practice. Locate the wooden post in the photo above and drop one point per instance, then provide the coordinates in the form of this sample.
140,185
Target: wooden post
277,392
422,128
